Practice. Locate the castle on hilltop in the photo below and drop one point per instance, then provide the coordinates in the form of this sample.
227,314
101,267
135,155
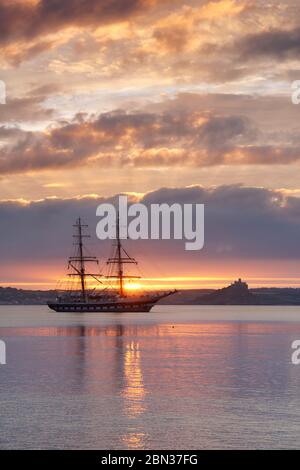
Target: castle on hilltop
236,293
239,284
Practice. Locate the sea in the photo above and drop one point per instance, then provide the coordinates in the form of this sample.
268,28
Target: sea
179,377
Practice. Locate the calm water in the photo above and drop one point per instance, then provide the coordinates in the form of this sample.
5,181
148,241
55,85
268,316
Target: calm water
179,377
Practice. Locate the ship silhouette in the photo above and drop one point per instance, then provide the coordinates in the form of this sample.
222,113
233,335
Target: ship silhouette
106,299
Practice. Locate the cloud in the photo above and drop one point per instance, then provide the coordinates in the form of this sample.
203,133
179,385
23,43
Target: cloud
193,130
275,43
84,36
24,109
140,41
27,20
30,28
29,106
15,54
121,138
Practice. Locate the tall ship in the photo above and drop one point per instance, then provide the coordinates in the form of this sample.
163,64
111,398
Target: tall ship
79,297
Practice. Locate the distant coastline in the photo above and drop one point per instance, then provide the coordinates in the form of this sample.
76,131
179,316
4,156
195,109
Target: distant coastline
237,293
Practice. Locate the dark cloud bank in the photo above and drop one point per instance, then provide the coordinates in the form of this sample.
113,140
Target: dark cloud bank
240,223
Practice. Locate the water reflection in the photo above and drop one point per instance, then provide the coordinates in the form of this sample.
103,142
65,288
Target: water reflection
134,440
138,385
134,390
133,393
215,356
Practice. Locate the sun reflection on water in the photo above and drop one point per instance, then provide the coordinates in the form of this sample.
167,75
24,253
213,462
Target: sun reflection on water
134,393
134,390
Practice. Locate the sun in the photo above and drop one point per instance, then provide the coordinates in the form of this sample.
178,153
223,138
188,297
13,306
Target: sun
133,286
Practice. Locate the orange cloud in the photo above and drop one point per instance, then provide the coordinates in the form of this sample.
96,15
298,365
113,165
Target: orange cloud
217,9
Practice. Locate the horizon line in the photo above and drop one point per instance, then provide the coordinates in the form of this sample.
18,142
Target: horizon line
171,282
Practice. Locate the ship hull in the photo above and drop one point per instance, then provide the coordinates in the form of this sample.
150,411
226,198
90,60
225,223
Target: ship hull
114,307
126,305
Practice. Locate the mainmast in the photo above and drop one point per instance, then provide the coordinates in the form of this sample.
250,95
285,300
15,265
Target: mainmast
120,263
77,262
120,258
81,259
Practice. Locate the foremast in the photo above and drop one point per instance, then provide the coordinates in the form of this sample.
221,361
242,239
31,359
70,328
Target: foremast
78,262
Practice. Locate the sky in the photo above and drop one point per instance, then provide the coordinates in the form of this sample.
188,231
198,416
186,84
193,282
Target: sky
182,100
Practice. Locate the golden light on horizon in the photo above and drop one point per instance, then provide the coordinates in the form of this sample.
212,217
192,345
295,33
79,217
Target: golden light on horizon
133,286
167,283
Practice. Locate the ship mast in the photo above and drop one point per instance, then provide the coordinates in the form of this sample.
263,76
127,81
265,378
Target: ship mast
77,262
81,260
120,263
120,258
